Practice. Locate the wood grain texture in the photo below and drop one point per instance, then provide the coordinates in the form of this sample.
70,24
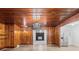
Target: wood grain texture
57,36
51,39
2,36
9,30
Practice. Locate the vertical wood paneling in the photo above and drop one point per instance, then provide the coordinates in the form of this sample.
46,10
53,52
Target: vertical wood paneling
57,36
50,35
54,35
2,36
17,34
26,37
9,30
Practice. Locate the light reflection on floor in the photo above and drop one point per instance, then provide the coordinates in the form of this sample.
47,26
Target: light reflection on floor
41,48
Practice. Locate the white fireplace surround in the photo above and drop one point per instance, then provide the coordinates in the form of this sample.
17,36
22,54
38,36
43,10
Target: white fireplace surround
39,42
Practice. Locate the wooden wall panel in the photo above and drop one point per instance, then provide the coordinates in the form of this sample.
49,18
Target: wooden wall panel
54,35
51,35
2,43
21,36
9,30
57,36
16,38
2,36
26,37
17,35
29,36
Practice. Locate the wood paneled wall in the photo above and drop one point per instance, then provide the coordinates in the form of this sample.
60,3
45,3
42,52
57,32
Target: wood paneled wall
9,30
15,36
26,37
6,36
57,36
22,37
54,35
51,35
2,36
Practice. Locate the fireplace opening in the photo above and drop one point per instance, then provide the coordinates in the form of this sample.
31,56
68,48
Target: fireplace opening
39,36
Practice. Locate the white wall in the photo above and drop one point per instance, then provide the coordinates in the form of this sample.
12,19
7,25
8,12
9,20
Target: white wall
66,33
71,34
75,32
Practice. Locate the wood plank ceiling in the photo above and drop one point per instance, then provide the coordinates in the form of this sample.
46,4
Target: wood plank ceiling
52,16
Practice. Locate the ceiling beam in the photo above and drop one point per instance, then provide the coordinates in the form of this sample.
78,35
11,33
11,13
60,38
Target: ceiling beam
69,20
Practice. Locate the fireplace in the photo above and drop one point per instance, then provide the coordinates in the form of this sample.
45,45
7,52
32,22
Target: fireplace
39,36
